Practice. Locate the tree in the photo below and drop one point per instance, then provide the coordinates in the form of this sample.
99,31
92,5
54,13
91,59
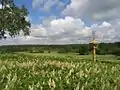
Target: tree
68,48
116,52
13,19
83,50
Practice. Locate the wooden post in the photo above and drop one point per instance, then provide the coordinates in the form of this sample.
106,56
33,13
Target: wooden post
94,46
94,53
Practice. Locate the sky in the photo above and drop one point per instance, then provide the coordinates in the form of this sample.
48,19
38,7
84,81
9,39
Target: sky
70,21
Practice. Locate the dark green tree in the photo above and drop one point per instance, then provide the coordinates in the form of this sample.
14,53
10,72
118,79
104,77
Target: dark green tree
83,50
116,52
13,19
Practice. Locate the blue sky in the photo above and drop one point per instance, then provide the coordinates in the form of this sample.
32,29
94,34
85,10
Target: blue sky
37,14
70,21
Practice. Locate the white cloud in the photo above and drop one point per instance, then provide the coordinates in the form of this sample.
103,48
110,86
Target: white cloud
75,8
38,31
47,5
105,24
72,28
97,10
107,32
0,6
68,30
57,31
37,3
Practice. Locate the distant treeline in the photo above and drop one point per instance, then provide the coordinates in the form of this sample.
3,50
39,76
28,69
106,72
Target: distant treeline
83,49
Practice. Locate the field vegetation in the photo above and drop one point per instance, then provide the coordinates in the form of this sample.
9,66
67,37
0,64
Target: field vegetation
26,71
81,49
59,67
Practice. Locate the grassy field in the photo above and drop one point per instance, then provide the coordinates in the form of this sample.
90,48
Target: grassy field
103,58
26,71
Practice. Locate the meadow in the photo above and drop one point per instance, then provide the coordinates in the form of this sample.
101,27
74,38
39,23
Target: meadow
26,71
32,63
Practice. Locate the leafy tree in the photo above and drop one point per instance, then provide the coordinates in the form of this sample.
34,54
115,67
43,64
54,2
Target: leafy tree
13,19
68,48
116,52
83,50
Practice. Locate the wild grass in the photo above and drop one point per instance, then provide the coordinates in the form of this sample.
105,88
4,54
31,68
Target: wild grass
45,72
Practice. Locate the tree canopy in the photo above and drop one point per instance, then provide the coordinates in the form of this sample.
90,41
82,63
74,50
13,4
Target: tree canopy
13,19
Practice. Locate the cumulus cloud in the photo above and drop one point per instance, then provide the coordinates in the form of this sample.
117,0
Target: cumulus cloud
68,30
64,30
38,31
72,29
98,10
107,32
47,5
75,8
0,6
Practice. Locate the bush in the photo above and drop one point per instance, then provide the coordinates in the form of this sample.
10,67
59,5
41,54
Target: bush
36,51
41,51
116,52
62,51
83,50
49,51
118,58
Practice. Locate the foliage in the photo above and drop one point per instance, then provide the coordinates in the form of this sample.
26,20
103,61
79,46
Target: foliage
13,19
36,51
63,51
117,52
83,50
102,49
49,51
26,72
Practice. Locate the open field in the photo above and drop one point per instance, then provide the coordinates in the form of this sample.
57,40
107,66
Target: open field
48,45
26,71
102,58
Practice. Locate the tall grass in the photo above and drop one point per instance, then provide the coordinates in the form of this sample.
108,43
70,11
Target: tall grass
33,72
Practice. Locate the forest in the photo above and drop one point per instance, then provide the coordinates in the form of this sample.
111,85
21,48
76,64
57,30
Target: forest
82,49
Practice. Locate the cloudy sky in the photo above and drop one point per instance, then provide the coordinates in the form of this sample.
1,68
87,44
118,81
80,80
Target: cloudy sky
70,21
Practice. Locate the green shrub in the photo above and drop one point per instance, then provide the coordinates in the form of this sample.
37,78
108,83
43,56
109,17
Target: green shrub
41,51
116,52
36,51
49,51
63,51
